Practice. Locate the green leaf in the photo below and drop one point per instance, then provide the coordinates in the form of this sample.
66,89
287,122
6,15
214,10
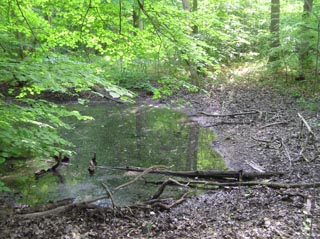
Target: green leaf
2,160
114,94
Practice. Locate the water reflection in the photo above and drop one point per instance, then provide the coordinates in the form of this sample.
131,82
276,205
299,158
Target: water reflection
123,136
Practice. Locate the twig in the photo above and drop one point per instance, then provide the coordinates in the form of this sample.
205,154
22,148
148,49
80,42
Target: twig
226,123
311,135
255,166
28,24
230,115
306,124
261,140
303,156
146,171
167,207
84,18
164,184
275,123
286,152
109,193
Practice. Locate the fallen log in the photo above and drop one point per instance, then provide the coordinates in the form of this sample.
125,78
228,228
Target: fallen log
69,206
274,185
210,174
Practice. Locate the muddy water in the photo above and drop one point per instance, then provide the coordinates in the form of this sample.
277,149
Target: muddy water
120,136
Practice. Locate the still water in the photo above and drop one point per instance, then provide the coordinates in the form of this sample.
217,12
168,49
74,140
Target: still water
120,136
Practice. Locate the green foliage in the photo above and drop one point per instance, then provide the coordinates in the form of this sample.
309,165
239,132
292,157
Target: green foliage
311,105
29,128
299,42
74,46
3,187
167,86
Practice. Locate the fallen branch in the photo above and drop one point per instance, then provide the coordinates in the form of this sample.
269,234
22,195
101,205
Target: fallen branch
222,175
230,115
69,206
255,166
226,123
306,124
243,184
275,123
167,207
311,136
50,212
109,194
144,172
163,186
160,203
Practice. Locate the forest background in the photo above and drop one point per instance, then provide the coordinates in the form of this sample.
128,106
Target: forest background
110,47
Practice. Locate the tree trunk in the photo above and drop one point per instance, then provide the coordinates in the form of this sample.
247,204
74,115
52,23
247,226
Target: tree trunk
304,47
210,174
136,15
186,5
275,30
192,67
194,9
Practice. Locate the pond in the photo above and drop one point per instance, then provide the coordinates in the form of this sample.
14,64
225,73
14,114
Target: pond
121,136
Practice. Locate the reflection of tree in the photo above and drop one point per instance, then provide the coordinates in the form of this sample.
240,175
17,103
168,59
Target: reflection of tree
125,136
192,150
140,134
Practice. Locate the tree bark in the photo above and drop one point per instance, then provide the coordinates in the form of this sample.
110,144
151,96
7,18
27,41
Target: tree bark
222,175
214,185
136,15
186,5
304,47
275,30
192,67
194,9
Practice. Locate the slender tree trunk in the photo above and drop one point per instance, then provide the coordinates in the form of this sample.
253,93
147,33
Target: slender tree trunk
120,16
186,5
136,15
194,9
21,48
304,47
192,67
275,30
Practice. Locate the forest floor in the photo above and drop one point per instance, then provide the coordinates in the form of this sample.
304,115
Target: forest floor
271,138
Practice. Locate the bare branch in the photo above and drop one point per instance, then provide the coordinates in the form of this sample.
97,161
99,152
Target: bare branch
230,115
109,193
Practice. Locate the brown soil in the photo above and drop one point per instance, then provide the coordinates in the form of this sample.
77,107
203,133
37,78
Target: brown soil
245,141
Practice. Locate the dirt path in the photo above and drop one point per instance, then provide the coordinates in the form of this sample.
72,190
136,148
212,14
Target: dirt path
270,139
